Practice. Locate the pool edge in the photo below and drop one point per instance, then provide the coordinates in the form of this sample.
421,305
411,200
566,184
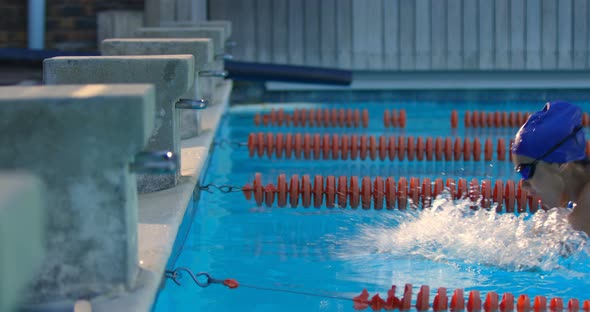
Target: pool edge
160,215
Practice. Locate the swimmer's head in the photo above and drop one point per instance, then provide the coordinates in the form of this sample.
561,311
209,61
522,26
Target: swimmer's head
552,134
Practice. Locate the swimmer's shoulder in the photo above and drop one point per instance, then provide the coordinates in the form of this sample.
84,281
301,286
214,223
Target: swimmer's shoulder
580,215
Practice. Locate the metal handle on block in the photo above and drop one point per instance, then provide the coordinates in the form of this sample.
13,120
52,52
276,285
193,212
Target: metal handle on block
213,73
159,162
224,56
192,104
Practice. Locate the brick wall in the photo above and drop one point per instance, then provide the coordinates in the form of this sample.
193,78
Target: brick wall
70,24
13,23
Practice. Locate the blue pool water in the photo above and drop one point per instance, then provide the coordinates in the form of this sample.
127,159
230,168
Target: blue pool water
338,252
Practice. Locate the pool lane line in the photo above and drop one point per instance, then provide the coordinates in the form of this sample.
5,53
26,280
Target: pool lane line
380,193
440,301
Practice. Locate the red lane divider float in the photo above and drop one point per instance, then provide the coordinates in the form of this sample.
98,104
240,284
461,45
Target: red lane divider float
387,193
394,118
457,303
477,119
334,146
392,302
342,118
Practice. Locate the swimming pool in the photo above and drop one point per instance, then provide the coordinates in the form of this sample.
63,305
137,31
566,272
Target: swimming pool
311,258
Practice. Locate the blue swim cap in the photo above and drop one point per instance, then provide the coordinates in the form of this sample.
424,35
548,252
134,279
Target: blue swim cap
547,128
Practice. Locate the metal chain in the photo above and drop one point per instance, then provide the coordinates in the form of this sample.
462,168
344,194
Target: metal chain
176,275
221,188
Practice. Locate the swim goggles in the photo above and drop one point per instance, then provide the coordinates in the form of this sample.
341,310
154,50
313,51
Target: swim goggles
527,170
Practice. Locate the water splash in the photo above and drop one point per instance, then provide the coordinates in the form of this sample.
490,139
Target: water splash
452,231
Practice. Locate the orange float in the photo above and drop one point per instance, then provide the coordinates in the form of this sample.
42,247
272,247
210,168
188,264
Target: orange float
430,148
491,303
260,145
372,147
438,148
402,118
540,304
357,119
382,147
366,193
335,146
476,149
279,146
386,118
318,191
390,193
330,191
406,302
504,119
474,301
414,191
452,186
426,193
342,192
365,118
467,150
486,194
402,193
438,187
354,146
440,302
457,151
306,146
509,196
467,120
507,303
454,119
573,305
420,148
378,193
354,192
270,145
344,147
401,148
298,145
392,148
422,299
556,304
448,149
294,191
498,195
512,120
363,147
305,191
288,145
410,148
252,142
474,191
461,189
523,304
457,301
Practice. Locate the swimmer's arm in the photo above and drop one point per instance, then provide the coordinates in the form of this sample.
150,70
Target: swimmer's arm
579,218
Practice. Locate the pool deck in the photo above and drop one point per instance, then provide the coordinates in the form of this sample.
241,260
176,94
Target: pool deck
161,214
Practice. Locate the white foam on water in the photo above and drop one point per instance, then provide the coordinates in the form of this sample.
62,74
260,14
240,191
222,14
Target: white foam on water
452,231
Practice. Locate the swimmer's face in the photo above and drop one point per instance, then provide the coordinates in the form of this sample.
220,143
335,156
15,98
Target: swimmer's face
546,181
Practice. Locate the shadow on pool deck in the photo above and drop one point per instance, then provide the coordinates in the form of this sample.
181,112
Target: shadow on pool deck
19,74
